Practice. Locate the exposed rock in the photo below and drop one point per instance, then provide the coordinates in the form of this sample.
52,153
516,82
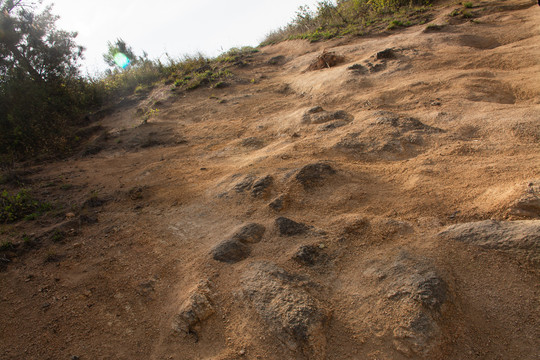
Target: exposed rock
326,60
195,309
315,109
429,289
250,233
288,227
253,142
527,206
314,174
290,312
309,255
277,60
491,234
390,135
386,54
317,115
230,251
245,184
333,125
357,68
415,293
261,186
279,203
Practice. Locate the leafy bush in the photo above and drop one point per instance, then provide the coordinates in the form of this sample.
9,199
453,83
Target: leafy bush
20,205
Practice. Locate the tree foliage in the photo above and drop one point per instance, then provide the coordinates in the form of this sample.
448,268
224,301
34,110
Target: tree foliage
116,48
31,45
41,91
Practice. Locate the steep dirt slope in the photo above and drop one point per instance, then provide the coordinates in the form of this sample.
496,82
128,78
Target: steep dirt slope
353,174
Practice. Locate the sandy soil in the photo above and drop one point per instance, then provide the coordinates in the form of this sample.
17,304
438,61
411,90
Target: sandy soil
445,131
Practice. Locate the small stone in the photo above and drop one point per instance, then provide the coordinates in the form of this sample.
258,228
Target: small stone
250,233
245,184
314,174
315,109
288,227
261,186
278,203
386,54
308,255
230,251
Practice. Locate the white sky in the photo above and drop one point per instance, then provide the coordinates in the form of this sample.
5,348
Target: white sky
177,27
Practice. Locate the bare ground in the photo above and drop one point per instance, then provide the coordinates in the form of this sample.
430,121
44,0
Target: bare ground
445,131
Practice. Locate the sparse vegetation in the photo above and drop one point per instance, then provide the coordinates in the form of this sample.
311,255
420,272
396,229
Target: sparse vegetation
20,205
356,17
468,5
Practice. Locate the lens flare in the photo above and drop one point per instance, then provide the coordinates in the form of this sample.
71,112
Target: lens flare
121,60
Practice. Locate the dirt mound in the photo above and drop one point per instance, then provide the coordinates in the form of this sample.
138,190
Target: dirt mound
326,60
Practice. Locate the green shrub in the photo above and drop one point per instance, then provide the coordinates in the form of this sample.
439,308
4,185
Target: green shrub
20,205
468,5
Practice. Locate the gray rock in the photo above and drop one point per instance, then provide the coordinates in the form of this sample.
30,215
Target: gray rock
333,125
288,227
250,233
279,203
314,174
261,186
245,184
386,54
253,142
315,109
491,234
194,310
290,313
429,289
319,116
230,251
277,60
528,206
308,255
416,291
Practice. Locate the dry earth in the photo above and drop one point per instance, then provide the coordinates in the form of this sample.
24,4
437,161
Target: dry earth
412,190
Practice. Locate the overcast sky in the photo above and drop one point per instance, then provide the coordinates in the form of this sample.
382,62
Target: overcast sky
176,27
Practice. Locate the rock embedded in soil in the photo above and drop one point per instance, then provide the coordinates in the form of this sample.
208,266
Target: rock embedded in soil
317,115
314,174
245,184
261,187
288,227
194,310
410,295
279,203
230,251
386,54
308,255
250,233
289,312
491,234
528,206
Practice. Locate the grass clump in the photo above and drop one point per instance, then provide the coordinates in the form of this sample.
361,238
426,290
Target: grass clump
356,17
468,5
14,207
